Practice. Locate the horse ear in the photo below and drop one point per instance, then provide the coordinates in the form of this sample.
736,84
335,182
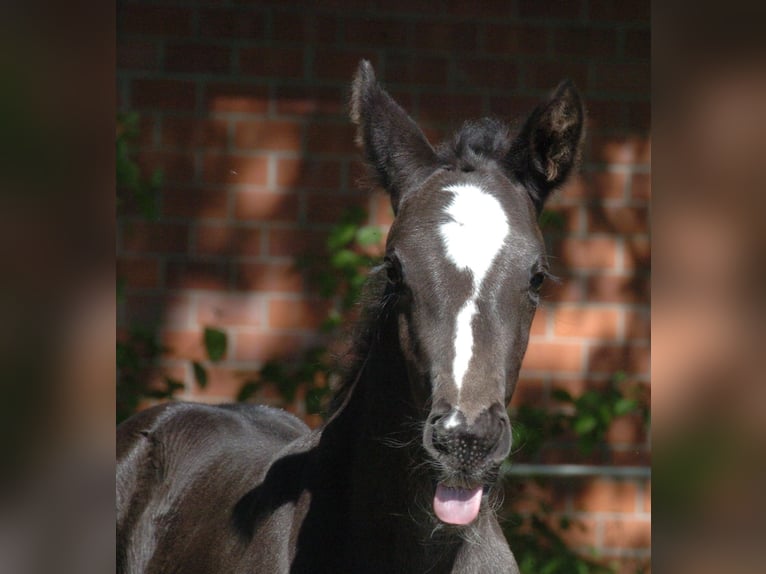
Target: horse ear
393,144
548,146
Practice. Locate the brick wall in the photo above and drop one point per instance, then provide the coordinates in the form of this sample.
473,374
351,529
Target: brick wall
242,107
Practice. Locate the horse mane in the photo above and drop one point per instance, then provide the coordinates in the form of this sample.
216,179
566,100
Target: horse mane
476,142
374,302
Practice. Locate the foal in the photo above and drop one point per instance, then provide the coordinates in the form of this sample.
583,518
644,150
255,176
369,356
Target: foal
402,477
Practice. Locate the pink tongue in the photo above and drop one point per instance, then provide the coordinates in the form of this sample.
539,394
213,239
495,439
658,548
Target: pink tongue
457,505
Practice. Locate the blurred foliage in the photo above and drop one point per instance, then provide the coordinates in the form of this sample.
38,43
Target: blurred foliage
338,275
139,351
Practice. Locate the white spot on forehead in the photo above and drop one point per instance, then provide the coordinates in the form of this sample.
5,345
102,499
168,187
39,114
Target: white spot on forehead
477,230
473,237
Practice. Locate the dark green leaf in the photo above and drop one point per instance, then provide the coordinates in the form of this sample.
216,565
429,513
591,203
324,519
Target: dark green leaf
200,374
215,343
624,406
368,235
561,396
585,424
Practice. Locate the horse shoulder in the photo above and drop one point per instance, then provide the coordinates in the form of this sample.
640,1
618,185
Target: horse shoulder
183,468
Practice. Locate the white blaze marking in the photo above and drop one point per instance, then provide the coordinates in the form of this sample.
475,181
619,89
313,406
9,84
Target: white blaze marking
472,238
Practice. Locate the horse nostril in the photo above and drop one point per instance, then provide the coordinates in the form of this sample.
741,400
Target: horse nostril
486,439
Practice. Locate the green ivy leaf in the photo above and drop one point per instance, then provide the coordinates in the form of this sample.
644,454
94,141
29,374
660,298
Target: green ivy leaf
625,406
344,258
340,236
200,374
368,235
249,388
215,343
585,424
562,396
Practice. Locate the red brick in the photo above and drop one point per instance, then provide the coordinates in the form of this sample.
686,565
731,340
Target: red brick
547,75
617,289
450,107
329,208
595,185
638,324
198,58
281,277
610,359
197,275
529,391
374,31
566,218
606,114
626,430
155,237
166,311
135,54
566,289
235,169
289,242
248,24
304,27
622,77
330,138
585,41
559,357
184,344
296,313
194,203
163,94
440,36
422,70
584,321
155,20
539,323
592,253
309,174
222,384
230,310
549,10
618,220
266,206
641,186
486,72
638,44
508,40
138,272
264,346
638,254
242,98
176,167
582,532
527,496
619,10
639,116
227,240
333,64
268,135
633,533
620,149
647,496
185,132
310,100
605,495
272,62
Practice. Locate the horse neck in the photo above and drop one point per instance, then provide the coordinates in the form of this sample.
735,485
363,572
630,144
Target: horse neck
377,424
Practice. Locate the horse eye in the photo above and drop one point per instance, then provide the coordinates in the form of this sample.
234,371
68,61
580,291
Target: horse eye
393,270
536,282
